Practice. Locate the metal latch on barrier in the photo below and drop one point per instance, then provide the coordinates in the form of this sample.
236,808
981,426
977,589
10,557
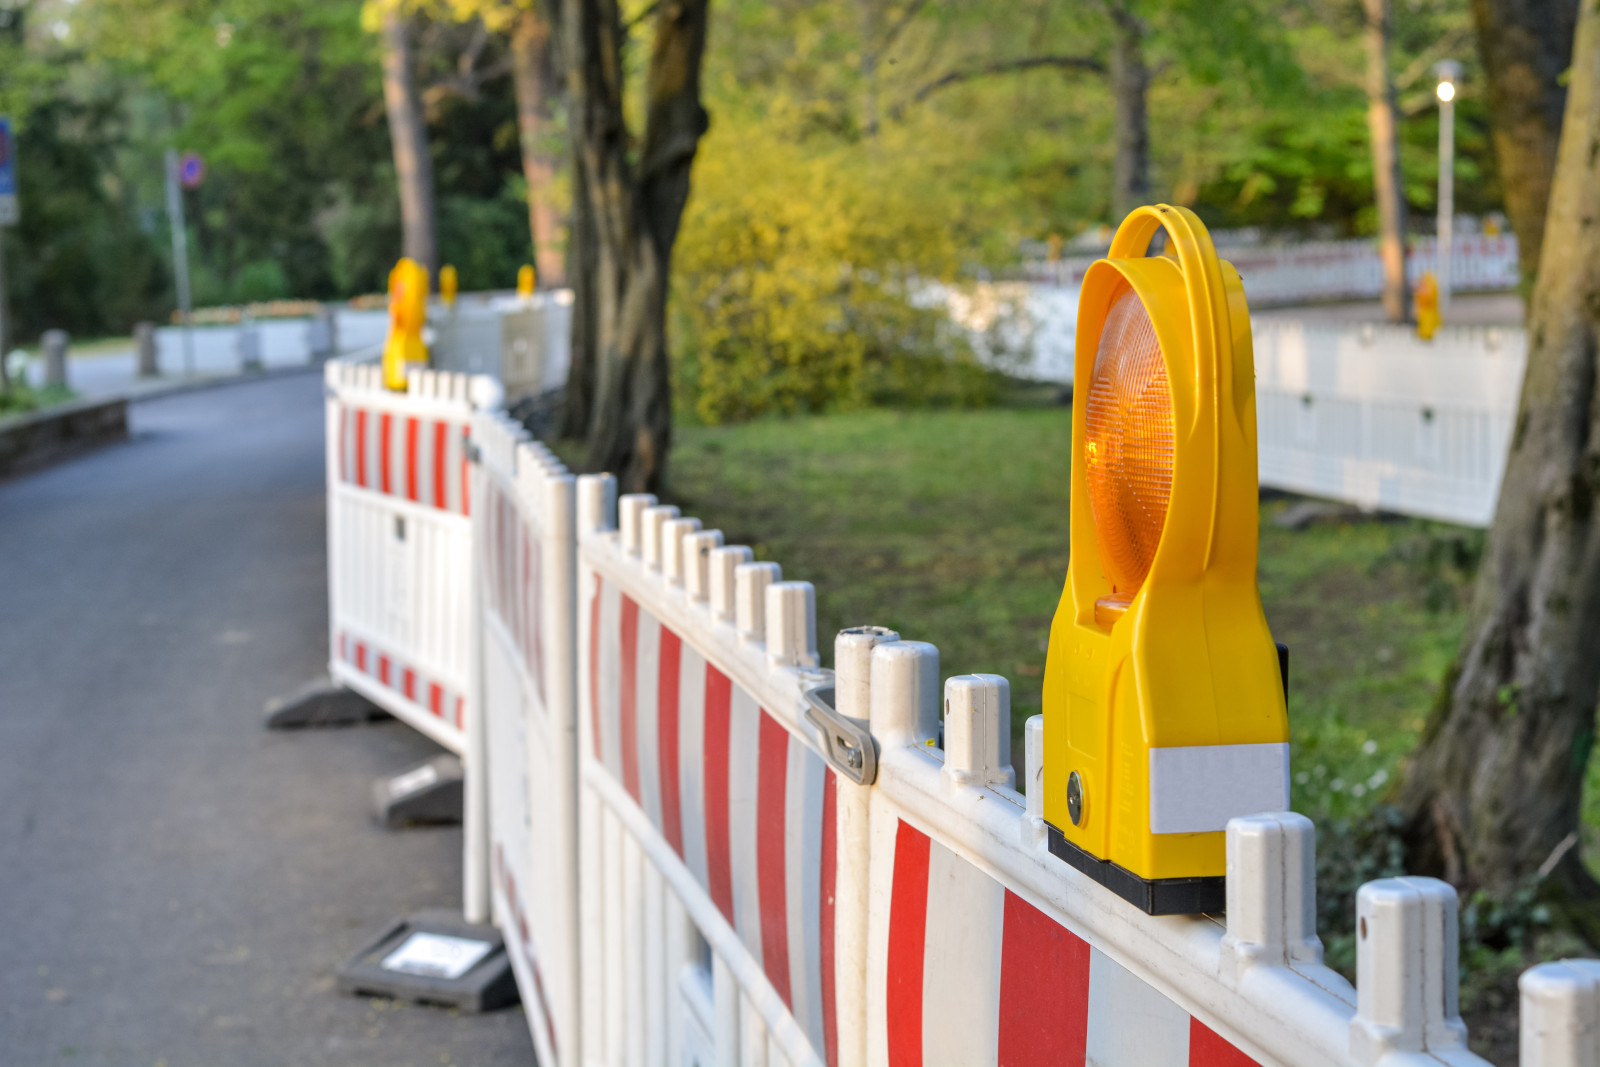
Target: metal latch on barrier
845,743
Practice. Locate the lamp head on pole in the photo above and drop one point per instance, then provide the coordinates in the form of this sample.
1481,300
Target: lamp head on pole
1448,72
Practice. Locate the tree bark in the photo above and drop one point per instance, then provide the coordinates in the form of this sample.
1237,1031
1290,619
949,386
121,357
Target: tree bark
636,205
1384,128
532,57
1130,85
413,164
1492,794
1525,46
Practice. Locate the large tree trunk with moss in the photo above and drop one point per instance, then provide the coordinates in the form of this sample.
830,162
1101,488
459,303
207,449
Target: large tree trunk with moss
1130,87
532,60
1383,127
1492,794
1525,46
413,165
636,204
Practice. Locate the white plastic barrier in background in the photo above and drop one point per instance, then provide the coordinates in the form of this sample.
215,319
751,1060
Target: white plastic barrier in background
1377,417
401,564
525,342
525,537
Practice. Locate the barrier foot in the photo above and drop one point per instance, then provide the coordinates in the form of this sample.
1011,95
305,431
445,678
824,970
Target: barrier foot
321,704
434,957
429,793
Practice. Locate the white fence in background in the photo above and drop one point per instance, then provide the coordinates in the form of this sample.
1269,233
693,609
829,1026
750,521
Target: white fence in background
1376,417
525,342
708,849
1334,270
402,614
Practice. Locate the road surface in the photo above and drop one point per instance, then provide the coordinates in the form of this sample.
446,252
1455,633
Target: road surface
176,883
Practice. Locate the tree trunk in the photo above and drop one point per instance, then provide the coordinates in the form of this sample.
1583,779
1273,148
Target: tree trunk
1525,46
1384,128
413,165
636,205
583,267
1492,794
1130,83
531,60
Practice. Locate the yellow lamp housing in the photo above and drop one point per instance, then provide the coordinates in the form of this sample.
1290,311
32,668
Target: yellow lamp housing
1163,690
526,280
449,283
408,313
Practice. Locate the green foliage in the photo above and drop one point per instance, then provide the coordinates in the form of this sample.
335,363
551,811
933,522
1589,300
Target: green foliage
803,280
22,398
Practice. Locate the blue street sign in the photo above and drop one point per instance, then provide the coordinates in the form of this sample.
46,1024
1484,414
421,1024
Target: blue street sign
8,174
191,171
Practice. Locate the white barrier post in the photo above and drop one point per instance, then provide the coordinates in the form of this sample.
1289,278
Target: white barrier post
560,616
1561,1014
1272,902
485,394
977,730
1407,950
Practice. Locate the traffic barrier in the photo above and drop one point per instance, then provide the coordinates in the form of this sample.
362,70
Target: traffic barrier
524,341
524,531
402,566
1378,418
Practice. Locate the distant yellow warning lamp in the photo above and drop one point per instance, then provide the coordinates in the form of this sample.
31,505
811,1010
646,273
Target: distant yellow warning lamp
1163,690
408,313
448,285
526,280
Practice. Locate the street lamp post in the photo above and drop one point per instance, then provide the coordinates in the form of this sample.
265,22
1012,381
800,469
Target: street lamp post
1449,73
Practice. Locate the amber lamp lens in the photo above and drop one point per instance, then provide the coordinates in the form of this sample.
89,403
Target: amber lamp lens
1128,450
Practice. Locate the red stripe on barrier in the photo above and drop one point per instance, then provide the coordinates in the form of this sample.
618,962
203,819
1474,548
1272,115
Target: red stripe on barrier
361,447
908,922
1207,1048
466,495
1044,990
771,804
436,699
441,440
628,694
408,683
594,666
411,457
385,422
719,872
829,875
361,656
667,738
383,669
461,713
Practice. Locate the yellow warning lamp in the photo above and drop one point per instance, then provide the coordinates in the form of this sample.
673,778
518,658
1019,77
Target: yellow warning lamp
448,283
1163,690
408,313
526,280
1426,307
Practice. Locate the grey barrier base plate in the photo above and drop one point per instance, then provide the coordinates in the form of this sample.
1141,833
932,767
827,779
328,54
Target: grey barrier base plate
1153,896
486,985
321,704
427,794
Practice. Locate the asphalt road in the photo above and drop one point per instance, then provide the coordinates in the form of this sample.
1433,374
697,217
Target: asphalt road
176,883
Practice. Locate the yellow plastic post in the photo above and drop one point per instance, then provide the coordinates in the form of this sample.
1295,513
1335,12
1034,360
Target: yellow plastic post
526,279
1164,700
1426,306
447,285
408,312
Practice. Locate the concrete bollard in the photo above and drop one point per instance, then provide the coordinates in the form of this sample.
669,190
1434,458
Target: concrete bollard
144,339
324,333
248,345
54,346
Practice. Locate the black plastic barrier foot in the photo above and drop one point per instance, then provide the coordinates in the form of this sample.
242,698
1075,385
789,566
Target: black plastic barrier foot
434,957
1153,896
321,704
429,794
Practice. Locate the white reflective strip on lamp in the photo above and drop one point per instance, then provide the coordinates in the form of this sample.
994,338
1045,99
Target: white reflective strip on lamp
1196,789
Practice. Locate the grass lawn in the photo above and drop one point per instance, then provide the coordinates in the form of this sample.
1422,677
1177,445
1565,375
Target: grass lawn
951,527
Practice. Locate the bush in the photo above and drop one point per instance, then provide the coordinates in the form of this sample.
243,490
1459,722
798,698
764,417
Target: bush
808,280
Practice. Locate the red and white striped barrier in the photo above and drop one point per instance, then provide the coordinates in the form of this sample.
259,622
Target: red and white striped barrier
402,567
525,539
